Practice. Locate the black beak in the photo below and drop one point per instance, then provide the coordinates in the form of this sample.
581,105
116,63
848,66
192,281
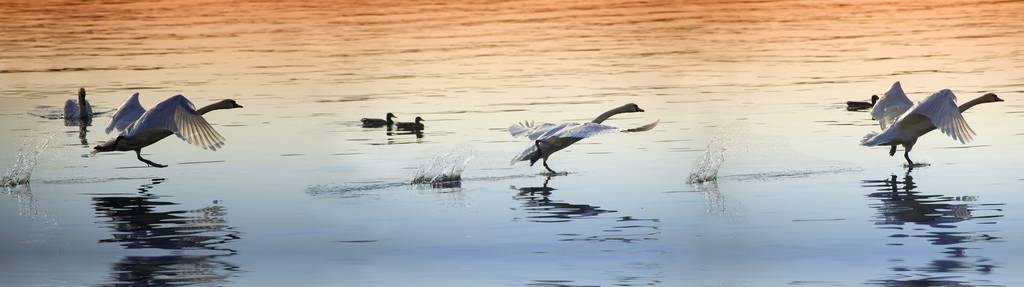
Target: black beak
639,110
998,99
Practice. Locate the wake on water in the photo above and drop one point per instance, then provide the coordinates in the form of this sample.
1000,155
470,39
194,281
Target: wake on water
706,169
21,172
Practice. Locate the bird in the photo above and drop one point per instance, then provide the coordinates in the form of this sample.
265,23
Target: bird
78,112
856,106
549,138
937,111
414,126
893,104
376,123
175,115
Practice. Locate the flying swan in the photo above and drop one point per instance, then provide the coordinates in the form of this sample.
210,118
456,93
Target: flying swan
937,111
549,138
176,115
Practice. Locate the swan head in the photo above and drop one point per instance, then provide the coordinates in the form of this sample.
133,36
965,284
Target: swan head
81,94
631,108
230,104
991,98
110,145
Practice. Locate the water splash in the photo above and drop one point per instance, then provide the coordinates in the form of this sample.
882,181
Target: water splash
706,169
21,172
445,170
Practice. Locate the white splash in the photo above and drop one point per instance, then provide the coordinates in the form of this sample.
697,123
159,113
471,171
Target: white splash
444,168
706,169
21,172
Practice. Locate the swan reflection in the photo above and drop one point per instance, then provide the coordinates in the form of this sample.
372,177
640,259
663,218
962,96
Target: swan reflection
140,221
940,220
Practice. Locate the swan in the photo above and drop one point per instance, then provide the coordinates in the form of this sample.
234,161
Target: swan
549,138
376,123
79,111
893,104
856,106
415,126
175,115
937,111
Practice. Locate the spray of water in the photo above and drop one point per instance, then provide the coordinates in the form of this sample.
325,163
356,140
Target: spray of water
706,169
445,168
21,172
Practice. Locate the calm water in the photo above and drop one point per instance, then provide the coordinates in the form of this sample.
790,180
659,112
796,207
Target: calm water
301,195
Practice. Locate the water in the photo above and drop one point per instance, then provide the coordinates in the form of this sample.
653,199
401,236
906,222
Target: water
302,195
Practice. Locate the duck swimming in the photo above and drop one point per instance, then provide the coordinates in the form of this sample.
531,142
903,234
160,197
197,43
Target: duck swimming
414,126
376,123
856,106
175,115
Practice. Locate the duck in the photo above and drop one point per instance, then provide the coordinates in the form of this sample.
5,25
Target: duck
376,123
549,138
414,126
856,106
78,112
174,116
938,111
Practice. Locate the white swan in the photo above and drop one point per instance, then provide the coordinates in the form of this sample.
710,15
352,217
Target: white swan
76,112
175,115
893,104
550,138
937,111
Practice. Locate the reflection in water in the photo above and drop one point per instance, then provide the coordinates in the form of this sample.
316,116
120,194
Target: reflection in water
944,216
136,223
541,208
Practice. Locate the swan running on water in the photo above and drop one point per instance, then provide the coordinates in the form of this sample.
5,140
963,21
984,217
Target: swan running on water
175,115
79,111
549,138
937,111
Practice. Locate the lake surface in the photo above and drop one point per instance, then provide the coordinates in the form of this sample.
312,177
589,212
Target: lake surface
302,195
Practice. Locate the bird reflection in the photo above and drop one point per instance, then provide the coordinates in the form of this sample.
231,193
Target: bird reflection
82,125
900,203
136,223
539,206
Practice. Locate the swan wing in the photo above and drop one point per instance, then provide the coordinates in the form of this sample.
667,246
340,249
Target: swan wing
941,109
129,112
177,114
535,131
643,128
583,131
70,109
893,104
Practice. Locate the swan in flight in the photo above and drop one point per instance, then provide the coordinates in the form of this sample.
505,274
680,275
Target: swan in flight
893,104
175,115
376,123
549,138
415,126
937,111
78,112
856,106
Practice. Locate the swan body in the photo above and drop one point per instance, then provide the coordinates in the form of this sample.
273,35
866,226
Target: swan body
174,116
893,104
376,123
78,111
549,138
938,111
413,126
856,106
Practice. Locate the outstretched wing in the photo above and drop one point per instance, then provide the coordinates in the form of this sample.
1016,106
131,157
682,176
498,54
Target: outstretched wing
177,114
643,128
129,112
893,104
566,130
941,109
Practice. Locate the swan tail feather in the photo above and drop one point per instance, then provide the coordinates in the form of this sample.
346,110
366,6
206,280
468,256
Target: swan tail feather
872,139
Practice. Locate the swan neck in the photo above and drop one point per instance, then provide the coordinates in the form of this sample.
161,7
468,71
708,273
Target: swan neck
214,106
607,115
972,103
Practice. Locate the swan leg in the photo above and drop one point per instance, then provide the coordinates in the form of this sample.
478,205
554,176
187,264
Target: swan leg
892,151
906,155
549,168
138,153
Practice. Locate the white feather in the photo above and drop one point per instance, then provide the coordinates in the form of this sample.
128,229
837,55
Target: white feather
893,104
129,112
177,115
